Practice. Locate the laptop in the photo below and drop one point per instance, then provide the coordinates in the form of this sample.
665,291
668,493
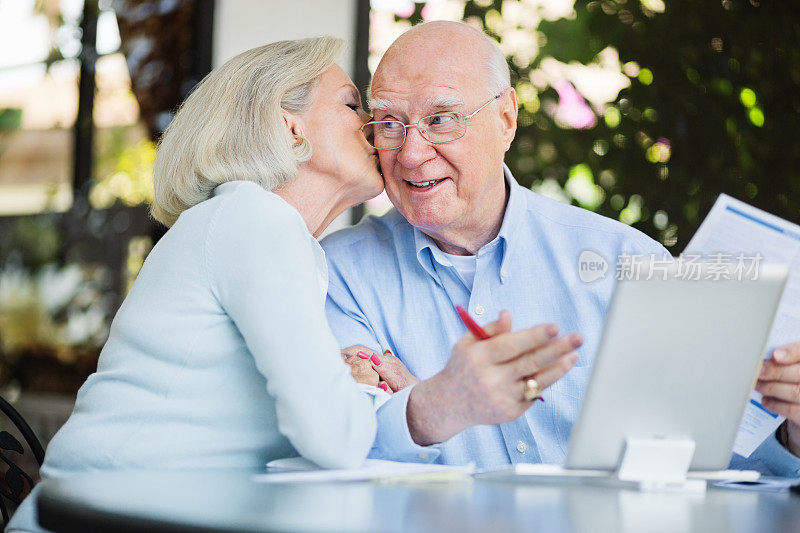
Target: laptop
675,366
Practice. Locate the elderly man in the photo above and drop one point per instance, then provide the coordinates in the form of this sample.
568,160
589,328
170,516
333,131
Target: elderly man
465,233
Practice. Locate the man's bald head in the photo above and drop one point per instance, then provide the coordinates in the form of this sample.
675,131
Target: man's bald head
445,78
456,43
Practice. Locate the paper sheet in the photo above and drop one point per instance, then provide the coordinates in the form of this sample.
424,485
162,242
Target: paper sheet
522,472
299,470
735,228
765,484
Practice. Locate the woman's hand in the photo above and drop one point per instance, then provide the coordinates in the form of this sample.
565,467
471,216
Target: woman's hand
361,366
393,372
385,371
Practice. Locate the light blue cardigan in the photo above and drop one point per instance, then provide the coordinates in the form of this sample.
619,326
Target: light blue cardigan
220,356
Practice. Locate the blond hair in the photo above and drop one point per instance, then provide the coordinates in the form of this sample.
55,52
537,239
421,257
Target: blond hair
231,126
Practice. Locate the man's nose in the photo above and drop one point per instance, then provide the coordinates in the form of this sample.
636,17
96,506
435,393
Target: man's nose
416,150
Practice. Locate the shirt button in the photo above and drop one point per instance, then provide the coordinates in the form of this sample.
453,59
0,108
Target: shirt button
423,456
479,309
504,273
521,447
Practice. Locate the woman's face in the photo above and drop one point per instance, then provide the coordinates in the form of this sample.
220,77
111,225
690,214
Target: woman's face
332,126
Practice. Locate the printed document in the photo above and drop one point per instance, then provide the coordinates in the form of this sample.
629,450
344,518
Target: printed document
300,470
737,232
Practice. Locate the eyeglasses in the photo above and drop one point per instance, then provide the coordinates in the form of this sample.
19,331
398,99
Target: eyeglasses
439,128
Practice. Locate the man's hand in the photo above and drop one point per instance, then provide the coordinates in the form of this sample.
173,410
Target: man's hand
483,382
779,382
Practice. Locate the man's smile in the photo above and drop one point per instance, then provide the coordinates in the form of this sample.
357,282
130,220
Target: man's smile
423,186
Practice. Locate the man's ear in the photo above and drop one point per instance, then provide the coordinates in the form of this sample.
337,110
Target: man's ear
294,126
508,116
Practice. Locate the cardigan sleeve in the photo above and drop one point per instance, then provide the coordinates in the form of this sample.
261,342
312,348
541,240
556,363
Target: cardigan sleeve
261,268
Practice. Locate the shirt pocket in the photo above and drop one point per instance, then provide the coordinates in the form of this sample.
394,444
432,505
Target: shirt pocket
572,386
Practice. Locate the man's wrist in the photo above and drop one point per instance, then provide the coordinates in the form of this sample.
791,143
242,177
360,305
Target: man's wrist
431,415
786,439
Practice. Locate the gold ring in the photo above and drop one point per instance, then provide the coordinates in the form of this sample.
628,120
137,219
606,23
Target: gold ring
532,390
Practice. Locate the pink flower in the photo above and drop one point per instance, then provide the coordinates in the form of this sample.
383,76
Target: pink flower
405,10
572,109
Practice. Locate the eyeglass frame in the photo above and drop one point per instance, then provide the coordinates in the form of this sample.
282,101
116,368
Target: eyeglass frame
420,130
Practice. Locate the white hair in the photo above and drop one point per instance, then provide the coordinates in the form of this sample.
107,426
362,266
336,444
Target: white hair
231,127
441,100
379,103
498,75
444,100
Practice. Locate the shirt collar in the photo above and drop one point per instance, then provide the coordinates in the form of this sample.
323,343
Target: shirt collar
427,251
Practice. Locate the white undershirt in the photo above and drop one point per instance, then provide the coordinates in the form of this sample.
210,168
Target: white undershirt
465,266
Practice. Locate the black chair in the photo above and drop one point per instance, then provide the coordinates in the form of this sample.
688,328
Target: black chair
15,479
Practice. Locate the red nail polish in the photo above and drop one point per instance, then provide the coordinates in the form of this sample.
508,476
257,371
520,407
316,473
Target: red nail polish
363,355
375,359
387,351
383,386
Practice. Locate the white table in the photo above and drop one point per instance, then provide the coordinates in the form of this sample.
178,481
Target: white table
231,501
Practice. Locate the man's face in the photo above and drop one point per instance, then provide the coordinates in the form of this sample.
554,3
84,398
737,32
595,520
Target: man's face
466,174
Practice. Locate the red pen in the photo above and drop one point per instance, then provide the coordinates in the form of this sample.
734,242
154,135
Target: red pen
472,326
476,330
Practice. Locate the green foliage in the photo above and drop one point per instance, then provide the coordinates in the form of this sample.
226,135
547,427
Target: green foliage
10,119
723,82
30,242
569,40
713,106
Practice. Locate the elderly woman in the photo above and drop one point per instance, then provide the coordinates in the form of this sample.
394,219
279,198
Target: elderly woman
221,356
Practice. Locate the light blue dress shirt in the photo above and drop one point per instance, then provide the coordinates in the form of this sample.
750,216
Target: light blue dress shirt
391,287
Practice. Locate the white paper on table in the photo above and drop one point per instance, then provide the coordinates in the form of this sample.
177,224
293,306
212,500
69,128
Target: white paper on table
765,484
300,470
734,227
